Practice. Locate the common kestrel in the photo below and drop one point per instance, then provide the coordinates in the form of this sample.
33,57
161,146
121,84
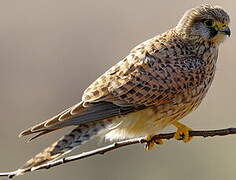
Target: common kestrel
161,80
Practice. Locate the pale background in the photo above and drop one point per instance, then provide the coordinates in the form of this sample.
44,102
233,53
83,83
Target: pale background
51,50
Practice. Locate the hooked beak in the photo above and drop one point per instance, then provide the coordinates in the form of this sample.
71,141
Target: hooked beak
226,31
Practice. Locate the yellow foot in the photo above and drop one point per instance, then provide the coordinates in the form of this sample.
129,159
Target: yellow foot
151,142
182,132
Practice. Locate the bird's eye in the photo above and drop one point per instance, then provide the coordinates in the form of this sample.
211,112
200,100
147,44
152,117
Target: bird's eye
208,23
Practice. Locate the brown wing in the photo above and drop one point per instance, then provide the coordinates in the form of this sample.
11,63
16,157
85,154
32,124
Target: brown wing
153,73
103,88
126,76
92,110
138,81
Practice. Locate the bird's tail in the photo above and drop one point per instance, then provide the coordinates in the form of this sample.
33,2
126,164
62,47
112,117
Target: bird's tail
64,145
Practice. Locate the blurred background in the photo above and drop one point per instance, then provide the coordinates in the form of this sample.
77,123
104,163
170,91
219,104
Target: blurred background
50,51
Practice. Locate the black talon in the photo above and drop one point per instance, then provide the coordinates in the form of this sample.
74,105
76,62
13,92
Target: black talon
181,136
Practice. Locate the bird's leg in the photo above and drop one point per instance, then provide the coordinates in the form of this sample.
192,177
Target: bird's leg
151,142
182,132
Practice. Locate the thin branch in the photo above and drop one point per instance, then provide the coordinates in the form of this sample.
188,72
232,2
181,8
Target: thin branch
103,150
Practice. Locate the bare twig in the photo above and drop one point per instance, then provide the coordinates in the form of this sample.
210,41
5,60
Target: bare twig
103,150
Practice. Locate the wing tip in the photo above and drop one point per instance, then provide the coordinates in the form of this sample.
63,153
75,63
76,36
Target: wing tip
25,133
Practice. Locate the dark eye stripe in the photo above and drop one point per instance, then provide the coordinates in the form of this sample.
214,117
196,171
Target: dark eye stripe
213,32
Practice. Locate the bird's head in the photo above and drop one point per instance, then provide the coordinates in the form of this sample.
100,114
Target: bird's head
206,22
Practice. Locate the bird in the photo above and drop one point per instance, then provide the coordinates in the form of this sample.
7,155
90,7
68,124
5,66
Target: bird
157,84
